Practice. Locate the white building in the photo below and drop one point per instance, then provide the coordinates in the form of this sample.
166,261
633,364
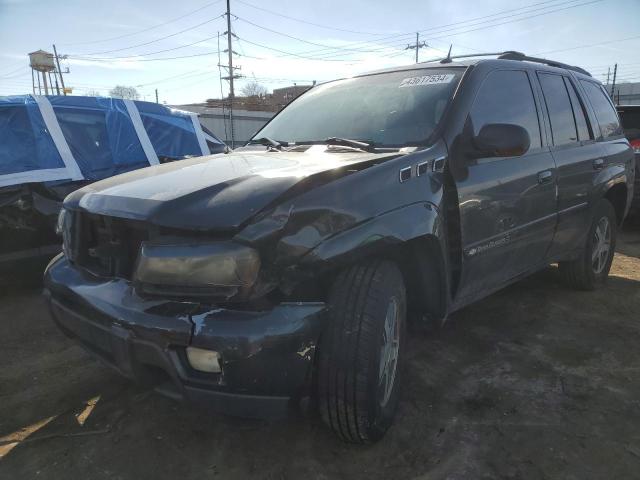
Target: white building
245,122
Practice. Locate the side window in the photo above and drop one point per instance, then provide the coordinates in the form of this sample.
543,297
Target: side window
88,137
506,97
584,132
563,125
605,113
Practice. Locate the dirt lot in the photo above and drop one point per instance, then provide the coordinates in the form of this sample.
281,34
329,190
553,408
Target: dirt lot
537,381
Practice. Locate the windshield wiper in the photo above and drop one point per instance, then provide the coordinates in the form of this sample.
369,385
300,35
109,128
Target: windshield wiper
367,146
269,142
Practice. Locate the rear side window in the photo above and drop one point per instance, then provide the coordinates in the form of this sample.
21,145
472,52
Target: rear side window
584,132
88,138
605,113
556,96
506,97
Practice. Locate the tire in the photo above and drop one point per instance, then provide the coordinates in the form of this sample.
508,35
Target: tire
589,272
357,396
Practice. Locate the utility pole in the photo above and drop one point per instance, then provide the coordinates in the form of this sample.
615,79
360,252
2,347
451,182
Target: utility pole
230,51
232,75
55,52
613,85
608,74
157,96
417,46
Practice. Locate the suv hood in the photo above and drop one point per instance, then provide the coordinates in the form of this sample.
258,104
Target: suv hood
218,192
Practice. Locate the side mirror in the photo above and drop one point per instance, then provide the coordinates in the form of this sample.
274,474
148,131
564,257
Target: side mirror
500,140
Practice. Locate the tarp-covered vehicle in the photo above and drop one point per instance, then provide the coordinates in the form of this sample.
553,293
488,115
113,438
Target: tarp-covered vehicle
53,145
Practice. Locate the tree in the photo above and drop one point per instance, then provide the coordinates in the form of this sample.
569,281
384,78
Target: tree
254,89
92,93
128,93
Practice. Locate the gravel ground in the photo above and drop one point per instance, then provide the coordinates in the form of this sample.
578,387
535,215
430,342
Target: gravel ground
537,381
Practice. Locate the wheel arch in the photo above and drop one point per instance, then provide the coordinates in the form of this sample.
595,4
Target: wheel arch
617,194
411,236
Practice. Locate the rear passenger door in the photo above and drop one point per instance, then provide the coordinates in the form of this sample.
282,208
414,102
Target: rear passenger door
616,154
507,204
577,158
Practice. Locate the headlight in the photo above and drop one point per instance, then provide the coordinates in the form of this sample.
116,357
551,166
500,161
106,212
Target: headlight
63,228
201,269
60,223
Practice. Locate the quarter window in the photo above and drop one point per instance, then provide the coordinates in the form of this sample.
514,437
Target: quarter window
605,113
556,97
584,132
506,97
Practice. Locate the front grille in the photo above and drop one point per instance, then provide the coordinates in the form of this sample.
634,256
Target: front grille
107,246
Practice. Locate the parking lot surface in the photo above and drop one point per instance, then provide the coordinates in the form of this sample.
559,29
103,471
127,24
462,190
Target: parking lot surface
536,381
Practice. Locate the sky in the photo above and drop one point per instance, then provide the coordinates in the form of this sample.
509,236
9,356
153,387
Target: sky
173,46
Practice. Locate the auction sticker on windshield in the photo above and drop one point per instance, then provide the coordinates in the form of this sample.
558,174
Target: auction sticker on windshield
426,80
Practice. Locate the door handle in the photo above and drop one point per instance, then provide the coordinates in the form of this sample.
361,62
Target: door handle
545,176
598,164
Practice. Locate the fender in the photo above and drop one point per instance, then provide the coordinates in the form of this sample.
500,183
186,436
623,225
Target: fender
391,228
609,177
413,235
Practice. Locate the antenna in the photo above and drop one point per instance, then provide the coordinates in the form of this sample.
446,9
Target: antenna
448,57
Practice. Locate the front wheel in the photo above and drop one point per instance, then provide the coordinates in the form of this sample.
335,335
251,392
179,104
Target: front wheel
592,268
361,351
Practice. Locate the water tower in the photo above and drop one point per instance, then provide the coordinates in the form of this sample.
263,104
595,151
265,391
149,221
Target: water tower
43,63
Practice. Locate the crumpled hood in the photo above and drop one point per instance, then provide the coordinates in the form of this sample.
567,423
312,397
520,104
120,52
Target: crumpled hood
218,192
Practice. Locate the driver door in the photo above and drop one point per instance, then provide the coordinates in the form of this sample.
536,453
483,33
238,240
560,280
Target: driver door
507,204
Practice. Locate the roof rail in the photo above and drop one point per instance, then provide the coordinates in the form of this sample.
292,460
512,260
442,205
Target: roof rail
552,63
513,55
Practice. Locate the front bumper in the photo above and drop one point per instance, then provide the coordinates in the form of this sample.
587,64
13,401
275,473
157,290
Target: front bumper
267,356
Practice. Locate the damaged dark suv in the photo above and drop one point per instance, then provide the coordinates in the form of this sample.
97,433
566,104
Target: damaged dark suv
285,271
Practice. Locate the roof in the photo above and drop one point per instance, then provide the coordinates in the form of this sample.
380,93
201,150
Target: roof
502,58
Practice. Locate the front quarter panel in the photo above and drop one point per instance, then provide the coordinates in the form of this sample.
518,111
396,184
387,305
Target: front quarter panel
363,203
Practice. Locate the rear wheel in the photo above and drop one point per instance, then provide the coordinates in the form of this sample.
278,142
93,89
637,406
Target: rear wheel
592,268
361,351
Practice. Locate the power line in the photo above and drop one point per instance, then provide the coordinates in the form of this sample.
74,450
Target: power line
88,59
516,20
326,47
144,30
12,74
145,53
442,28
589,45
8,74
11,65
316,55
184,74
291,53
147,43
306,21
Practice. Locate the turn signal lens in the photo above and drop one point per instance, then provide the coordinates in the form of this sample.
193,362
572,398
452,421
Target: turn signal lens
204,360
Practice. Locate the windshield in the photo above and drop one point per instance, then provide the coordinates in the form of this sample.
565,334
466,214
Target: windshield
387,110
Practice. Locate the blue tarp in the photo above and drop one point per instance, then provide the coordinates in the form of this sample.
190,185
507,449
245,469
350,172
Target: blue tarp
100,135
25,144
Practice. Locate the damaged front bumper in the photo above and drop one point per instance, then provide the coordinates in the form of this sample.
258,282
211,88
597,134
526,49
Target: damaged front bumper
266,356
